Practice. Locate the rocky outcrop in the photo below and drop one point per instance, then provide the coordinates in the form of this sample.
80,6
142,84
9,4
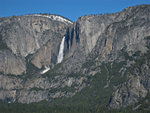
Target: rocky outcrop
35,89
26,96
128,93
137,86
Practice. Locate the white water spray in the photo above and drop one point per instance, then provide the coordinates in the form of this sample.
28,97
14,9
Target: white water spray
61,51
45,70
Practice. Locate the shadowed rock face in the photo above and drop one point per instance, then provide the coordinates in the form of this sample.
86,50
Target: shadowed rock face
32,42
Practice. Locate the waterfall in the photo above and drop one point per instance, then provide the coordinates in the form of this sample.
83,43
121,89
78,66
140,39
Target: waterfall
61,51
45,70
59,57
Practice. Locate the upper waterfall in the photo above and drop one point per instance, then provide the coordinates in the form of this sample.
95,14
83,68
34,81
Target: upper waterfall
61,51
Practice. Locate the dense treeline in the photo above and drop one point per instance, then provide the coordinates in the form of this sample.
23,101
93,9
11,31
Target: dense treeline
45,107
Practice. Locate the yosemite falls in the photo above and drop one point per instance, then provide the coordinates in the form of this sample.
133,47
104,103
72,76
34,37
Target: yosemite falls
61,51
59,57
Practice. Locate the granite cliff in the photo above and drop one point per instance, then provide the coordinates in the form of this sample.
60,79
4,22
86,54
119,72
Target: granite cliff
101,54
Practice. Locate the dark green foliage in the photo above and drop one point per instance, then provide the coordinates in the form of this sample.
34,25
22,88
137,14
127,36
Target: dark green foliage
65,89
127,57
147,41
140,61
88,64
75,75
2,44
53,72
48,107
137,53
36,89
31,69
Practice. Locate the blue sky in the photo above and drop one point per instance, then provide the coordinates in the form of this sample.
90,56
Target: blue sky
71,9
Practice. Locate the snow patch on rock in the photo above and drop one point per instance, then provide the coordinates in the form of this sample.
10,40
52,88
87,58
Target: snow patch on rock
55,17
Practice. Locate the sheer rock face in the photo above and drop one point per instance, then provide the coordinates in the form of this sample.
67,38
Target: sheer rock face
128,93
89,43
26,34
11,64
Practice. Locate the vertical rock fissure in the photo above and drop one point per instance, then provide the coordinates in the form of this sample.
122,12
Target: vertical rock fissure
61,51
